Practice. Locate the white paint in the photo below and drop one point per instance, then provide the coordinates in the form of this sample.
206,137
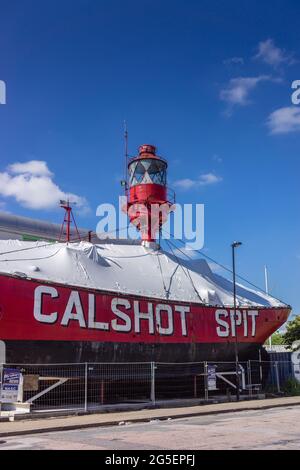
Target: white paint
39,292
183,311
223,328
245,318
95,325
235,320
138,316
126,326
245,323
158,315
74,303
253,314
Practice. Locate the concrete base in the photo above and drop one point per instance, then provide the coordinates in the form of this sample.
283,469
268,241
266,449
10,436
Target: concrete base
10,409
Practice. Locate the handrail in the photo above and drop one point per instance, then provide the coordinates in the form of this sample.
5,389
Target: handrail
153,157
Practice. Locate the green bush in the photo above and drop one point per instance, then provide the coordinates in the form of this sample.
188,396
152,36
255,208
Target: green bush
292,387
292,331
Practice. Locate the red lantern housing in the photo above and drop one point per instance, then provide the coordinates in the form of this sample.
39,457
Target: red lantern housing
148,199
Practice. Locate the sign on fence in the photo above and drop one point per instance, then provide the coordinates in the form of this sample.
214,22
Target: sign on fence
11,390
296,361
211,378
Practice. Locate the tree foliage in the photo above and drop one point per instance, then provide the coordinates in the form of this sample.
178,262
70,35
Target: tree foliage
276,339
292,331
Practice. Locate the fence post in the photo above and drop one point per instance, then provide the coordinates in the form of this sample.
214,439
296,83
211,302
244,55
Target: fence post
85,386
260,367
249,377
206,380
277,376
152,396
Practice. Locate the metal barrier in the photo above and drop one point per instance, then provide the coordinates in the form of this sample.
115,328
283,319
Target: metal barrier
179,380
274,376
117,383
89,386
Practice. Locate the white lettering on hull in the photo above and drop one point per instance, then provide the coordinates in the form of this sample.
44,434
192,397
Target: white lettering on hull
227,324
159,318
74,310
93,324
135,316
126,326
37,310
138,316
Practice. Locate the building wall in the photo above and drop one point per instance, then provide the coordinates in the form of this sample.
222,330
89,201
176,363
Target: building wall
24,228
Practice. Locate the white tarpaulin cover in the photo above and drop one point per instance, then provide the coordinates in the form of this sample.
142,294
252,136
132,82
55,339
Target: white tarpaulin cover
125,268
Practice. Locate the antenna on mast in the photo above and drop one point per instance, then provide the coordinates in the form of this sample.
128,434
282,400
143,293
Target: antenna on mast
124,181
68,219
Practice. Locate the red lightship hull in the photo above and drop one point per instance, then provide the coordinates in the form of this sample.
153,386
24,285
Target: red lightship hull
43,322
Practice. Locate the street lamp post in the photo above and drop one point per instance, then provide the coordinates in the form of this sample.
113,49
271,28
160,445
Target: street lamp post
233,246
267,292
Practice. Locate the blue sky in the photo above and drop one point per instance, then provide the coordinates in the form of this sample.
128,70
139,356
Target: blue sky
208,82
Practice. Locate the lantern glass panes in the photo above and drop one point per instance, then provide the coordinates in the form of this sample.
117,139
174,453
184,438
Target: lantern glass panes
157,172
147,171
136,173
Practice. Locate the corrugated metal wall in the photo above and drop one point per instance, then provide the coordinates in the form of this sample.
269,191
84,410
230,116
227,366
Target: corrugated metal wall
285,367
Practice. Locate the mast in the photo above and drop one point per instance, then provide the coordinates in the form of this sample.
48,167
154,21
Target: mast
126,156
68,219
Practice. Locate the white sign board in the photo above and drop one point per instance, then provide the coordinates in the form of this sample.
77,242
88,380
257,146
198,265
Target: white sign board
12,385
296,364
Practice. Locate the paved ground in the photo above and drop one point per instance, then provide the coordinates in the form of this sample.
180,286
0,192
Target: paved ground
275,428
49,424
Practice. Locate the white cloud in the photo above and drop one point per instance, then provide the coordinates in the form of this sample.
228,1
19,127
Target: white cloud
33,167
203,180
2,206
234,61
284,120
185,183
272,55
209,178
31,185
238,90
217,158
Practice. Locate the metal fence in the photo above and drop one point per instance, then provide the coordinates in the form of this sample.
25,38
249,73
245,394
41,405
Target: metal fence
89,386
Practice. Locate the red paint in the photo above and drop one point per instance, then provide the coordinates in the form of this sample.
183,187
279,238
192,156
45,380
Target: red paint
147,149
17,321
144,193
68,218
147,193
